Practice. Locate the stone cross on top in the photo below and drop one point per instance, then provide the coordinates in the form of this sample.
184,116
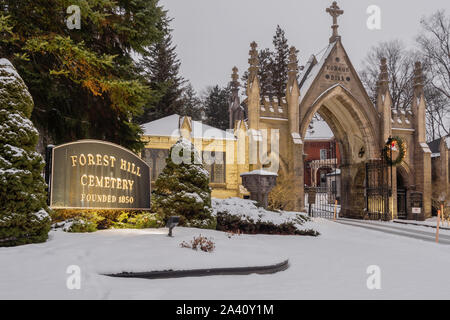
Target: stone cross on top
335,12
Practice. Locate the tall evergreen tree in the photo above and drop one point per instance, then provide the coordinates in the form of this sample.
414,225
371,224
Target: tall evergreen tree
216,104
85,83
265,58
162,67
280,62
191,103
273,67
23,209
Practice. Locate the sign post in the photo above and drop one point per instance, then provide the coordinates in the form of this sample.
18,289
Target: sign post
335,207
311,200
437,227
92,174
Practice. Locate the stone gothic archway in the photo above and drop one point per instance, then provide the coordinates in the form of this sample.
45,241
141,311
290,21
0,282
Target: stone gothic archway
357,140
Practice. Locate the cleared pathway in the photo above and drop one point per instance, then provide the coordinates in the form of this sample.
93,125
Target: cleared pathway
397,230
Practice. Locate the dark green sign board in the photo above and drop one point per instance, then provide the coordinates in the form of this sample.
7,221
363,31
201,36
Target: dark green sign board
92,174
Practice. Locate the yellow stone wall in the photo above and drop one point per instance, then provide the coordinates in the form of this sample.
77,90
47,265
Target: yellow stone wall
231,187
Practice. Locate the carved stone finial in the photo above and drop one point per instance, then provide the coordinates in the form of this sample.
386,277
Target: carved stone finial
418,76
334,12
253,61
235,110
383,78
293,63
383,69
234,78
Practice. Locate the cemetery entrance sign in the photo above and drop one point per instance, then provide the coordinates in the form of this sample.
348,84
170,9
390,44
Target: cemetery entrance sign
92,174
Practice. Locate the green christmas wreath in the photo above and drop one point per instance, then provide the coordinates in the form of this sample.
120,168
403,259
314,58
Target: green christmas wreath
394,142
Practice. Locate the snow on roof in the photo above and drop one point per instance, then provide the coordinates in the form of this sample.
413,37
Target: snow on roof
315,71
320,131
169,127
259,172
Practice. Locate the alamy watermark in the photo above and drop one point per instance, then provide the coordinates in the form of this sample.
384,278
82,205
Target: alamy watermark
74,20
73,281
241,147
374,280
374,19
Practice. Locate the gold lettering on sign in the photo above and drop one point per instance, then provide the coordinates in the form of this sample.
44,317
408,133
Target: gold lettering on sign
89,159
123,165
113,160
74,160
106,182
82,160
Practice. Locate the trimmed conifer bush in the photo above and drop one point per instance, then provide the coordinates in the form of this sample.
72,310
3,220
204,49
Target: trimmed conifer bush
182,189
24,214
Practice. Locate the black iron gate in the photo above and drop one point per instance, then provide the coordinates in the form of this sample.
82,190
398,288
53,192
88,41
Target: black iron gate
402,212
377,190
323,192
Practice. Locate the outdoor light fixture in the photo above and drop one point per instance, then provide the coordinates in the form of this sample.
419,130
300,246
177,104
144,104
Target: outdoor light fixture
172,223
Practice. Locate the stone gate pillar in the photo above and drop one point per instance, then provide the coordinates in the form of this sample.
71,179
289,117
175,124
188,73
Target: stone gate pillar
296,180
352,191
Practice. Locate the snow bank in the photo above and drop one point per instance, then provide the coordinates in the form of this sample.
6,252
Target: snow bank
332,266
247,209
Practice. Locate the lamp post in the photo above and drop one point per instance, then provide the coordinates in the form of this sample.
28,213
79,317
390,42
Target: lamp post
172,223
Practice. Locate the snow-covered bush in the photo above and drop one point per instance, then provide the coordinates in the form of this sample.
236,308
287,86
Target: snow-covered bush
23,210
239,215
80,225
182,189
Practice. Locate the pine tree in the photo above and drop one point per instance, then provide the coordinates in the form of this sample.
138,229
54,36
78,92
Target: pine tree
162,67
273,67
216,104
191,104
280,63
85,83
23,210
182,189
265,58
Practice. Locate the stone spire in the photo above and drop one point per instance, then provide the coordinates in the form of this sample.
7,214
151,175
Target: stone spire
235,110
253,61
384,102
293,92
419,104
235,79
418,79
293,64
334,12
253,89
383,78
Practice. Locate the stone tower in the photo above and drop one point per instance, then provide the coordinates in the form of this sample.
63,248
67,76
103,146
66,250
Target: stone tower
235,109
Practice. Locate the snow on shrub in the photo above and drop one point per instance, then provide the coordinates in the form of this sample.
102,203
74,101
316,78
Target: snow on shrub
240,215
182,189
23,209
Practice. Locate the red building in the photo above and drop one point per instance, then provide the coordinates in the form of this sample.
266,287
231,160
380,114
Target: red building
322,156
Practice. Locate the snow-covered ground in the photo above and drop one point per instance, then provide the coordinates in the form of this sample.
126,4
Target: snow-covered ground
332,265
431,222
247,210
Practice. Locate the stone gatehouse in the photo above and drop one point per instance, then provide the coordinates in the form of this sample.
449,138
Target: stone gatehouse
330,86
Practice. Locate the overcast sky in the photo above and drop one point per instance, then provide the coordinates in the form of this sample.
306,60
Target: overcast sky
214,35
